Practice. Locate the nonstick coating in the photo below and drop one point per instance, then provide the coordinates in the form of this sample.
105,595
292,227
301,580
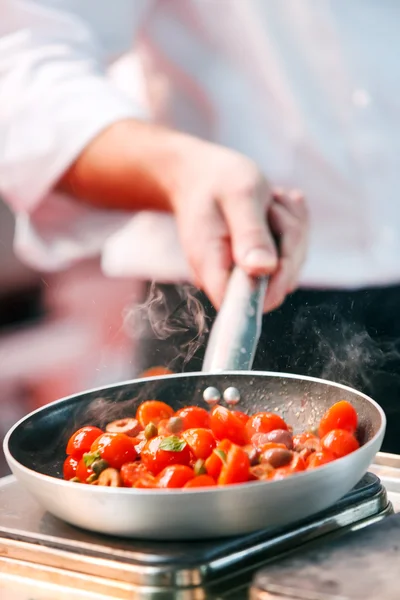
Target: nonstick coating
35,449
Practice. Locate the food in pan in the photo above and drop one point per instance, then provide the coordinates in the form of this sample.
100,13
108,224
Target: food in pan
195,448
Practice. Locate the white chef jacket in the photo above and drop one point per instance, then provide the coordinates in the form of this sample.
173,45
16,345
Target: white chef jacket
309,89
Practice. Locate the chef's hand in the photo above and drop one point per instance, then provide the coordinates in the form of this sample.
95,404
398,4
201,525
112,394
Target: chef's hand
228,214
225,209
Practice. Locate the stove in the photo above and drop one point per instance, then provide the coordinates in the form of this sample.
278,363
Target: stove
37,546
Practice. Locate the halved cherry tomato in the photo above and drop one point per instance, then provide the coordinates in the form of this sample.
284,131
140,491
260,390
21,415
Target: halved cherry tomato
317,459
146,481
217,457
194,417
132,472
296,466
306,441
156,459
264,422
115,448
156,372
261,472
82,440
341,415
236,468
201,442
200,481
175,476
83,472
340,442
226,425
153,411
69,467
270,445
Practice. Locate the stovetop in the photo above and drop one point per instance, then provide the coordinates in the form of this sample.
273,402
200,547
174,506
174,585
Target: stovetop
33,537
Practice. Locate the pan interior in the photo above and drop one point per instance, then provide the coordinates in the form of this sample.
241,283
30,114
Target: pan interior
39,441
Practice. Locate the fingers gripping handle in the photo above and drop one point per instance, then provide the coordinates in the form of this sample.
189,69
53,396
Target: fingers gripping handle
234,337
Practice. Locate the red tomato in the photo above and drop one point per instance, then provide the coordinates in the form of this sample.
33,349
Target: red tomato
341,415
236,469
175,476
156,372
82,440
132,472
264,422
200,481
115,448
194,417
82,471
200,441
226,425
270,445
317,459
262,472
339,442
214,462
69,467
156,459
296,466
307,441
146,481
241,415
153,411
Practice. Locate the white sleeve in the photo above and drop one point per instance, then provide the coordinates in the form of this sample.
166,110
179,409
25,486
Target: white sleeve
54,97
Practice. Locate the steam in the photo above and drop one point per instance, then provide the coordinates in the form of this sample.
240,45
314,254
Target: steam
344,351
177,315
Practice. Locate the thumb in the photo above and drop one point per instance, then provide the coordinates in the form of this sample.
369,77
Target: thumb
253,247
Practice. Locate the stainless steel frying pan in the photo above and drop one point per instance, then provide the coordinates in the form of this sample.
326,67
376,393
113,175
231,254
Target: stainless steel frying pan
34,447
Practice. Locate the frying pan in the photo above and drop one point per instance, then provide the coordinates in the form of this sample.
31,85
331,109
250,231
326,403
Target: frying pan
35,446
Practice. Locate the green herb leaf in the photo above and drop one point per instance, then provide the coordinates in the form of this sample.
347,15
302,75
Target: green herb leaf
90,457
172,444
221,454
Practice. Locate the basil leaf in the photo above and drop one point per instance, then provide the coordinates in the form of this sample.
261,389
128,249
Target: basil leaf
172,444
89,458
221,454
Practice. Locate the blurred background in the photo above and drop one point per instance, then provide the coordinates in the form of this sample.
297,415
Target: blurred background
59,333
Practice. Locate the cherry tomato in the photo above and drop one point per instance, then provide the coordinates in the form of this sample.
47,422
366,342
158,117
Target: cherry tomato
214,462
200,481
261,472
82,440
270,446
242,416
236,469
156,372
307,442
146,481
153,411
226,425
340,442
317,459
296,466
341,415
69,467
156,459
194,417
175,476
200,441
82,471
115,448
264,422
132,472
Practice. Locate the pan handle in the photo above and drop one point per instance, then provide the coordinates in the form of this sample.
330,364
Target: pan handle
234,337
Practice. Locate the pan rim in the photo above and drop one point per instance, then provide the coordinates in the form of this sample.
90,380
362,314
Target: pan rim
171,493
